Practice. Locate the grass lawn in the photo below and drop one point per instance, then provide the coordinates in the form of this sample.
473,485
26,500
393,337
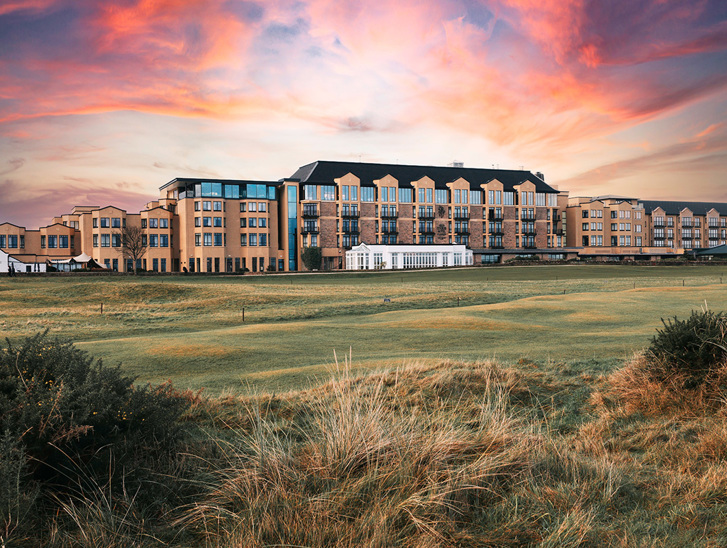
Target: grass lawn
190,329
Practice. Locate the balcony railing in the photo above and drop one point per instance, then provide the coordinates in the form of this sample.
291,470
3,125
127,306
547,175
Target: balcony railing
461,230
529,232
309,229
461,216
350,213
659,224
310,211
350,230
426,215
527,218
388,214
389,231
495,217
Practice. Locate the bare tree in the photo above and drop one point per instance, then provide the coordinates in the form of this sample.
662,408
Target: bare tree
133,244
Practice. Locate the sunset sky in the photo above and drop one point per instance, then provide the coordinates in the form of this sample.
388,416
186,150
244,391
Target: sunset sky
102,102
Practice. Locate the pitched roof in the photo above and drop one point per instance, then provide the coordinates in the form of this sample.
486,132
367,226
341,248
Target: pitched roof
324,172
674,208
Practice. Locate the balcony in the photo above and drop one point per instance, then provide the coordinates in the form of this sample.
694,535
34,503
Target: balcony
310,211
389,231
462,231
530,246
495,217
659,224
426,230
527,218
350,213
497,246
529,232
309,228
662,237
426,215
498,232
461,216
388,214
350,229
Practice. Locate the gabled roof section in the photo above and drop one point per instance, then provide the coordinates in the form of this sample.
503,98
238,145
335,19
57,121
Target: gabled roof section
324,172
674,208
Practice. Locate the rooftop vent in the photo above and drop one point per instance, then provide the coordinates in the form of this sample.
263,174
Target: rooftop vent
456,164
540,175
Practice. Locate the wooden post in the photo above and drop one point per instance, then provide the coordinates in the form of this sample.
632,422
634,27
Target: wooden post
243,314
101,308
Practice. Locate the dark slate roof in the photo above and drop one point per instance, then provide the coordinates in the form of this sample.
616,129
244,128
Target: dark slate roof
324,172
674,208
185,180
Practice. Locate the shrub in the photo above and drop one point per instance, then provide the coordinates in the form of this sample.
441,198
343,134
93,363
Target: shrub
312,257
693,349
68,421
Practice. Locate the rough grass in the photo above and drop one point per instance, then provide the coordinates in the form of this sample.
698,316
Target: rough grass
430,455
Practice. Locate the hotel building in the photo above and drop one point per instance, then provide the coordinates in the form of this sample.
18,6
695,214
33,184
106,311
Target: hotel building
213,225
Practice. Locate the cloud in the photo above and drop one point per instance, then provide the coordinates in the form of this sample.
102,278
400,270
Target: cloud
13,164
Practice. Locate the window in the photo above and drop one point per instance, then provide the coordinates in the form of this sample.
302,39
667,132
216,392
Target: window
207,206
52,241
115,240
105,240
198,239
243,240
421,195
3,240
328,193
153,240
262,207
104,222
153,223
218,222
196,206
440,196
95,222
198,221
252,207
253,240
368,194
243,207
475,197
406,195
62,242
116,222
13,241
163,223
263,238
310,192
344,192
252,222
217,206
208,239
143,223
429,195
95,241
218,239
262,222
584,214
243,222
163,240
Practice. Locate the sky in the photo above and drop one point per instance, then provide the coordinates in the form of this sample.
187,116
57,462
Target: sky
102,102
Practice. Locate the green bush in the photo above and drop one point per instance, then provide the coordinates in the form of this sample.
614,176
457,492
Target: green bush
64,415
693,348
